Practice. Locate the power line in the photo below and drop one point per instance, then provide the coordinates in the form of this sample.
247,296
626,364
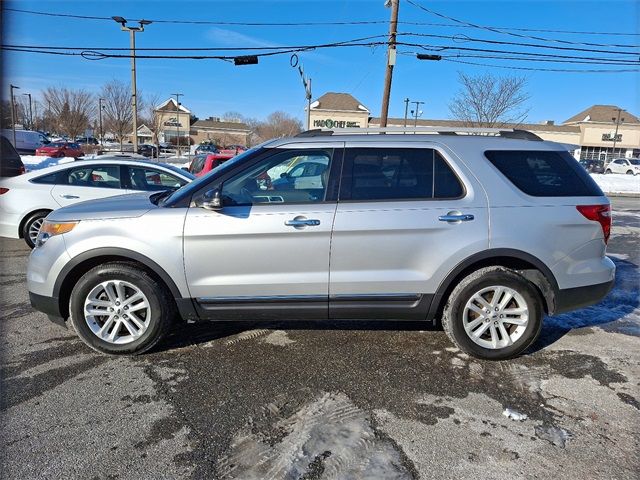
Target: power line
465,38
525,58
502,31
534,69
306,24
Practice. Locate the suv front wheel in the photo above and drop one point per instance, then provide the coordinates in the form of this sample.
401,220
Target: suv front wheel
493,314
118,308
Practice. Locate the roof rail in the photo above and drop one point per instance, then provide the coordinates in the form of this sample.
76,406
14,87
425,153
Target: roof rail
502,132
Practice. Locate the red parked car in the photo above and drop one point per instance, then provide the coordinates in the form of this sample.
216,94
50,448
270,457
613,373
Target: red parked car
205,162
60,149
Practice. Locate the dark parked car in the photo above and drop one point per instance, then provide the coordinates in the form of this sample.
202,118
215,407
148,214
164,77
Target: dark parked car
10,162
593,166
207,148
148,150
87,141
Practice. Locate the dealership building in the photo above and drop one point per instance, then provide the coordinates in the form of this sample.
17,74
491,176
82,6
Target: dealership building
600,132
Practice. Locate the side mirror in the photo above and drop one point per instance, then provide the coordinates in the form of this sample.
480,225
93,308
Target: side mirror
210,200
185,168
284,175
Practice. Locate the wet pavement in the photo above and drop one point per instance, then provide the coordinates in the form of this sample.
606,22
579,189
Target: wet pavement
317,400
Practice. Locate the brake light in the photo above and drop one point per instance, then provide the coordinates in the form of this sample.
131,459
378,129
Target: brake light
600,214
3,190
22,170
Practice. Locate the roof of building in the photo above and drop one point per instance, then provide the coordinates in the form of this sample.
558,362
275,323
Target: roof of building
603,113
458,123
338,101
170,106
216,123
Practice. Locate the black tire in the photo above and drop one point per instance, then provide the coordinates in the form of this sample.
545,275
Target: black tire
452,320
629,172
161,303
607,171
29,223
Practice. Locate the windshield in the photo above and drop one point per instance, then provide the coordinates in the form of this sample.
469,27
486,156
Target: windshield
194,186
634,161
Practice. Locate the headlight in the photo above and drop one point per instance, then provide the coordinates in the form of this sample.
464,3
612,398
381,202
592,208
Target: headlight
51,229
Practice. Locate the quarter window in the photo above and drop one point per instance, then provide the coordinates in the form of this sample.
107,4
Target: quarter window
399,174
544,173
278,179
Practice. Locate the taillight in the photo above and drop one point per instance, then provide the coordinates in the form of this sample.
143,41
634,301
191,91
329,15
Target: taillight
3,190
600,214
22,170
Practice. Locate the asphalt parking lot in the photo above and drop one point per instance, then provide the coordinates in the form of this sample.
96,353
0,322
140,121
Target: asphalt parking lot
317,401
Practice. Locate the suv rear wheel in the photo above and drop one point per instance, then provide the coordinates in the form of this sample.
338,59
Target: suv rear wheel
118,308
493,314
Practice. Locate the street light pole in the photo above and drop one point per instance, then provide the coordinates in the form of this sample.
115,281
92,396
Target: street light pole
417,113
178,95
132,37
100,107
615,135
13,114
30,111
406,110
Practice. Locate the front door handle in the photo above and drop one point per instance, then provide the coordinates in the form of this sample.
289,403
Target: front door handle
301,222
69,196
456,217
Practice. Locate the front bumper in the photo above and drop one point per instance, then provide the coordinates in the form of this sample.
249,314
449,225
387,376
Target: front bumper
574,298
9,223
48,305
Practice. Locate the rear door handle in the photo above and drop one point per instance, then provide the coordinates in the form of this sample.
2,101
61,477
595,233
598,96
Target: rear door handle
301,222
456,217
69,196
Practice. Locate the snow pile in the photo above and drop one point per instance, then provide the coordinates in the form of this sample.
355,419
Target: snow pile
514,415
617,183
34,162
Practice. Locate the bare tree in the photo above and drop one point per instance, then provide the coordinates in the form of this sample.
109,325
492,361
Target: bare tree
278,124
152,117
71,110
490,101
118,114
232,116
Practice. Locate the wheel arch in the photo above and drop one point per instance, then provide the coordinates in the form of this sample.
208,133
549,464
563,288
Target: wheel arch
529,266
28,216
84,262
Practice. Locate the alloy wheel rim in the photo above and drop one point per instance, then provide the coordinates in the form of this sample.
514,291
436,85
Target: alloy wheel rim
495,317
34,229
117,312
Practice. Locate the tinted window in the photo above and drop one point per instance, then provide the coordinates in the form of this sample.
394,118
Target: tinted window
399,174
544,174
47,179
148,179
270,181
197,164
101,176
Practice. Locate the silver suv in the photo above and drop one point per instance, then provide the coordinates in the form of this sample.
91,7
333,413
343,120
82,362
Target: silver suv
487,233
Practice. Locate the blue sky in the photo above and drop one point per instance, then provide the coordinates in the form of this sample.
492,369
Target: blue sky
211,87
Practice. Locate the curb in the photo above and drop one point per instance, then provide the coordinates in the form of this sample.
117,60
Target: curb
623,194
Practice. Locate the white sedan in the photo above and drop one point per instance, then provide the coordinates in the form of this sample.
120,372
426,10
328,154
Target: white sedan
27,199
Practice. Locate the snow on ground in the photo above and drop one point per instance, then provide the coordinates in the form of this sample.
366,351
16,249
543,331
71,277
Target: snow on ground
34,162
617,183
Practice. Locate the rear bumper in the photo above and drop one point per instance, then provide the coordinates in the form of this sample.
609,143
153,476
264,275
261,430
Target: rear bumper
9,225
574,298
48,305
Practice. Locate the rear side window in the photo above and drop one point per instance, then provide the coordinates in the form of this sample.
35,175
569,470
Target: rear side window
46,179
544,173
398,174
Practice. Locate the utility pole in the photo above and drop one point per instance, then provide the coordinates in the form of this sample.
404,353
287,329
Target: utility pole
417,113
178,95
406,110
13,114
30,111
100,107
615,135
132,40
391,61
